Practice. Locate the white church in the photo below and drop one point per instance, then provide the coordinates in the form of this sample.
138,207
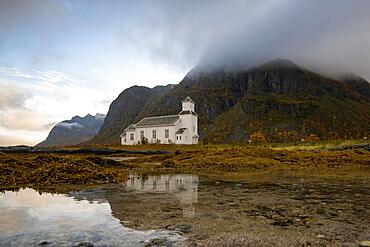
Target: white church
171,129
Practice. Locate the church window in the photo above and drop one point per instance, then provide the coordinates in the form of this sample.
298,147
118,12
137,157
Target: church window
167,133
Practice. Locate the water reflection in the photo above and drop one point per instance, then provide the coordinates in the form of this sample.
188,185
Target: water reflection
273,209
183,186
28,218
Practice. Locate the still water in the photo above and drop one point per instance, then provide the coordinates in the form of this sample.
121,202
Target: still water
178,209
30,218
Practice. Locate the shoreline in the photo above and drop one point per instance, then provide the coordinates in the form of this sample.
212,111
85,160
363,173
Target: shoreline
29,169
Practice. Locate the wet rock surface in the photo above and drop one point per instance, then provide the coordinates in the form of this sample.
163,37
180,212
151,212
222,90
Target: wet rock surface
43,170
282,211
184,228
365,146
257,209
156,242
85,244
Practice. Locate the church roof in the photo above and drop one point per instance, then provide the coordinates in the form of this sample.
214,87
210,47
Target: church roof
188,112
180,131
159,120
130,127
188,99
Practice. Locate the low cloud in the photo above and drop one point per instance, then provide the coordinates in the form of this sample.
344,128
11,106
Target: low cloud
49,125
101,116
70,125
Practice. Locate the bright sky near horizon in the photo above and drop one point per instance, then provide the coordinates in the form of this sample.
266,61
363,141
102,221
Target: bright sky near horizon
64,58
60,58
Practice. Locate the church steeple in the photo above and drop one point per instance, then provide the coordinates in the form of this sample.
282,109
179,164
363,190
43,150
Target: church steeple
188,104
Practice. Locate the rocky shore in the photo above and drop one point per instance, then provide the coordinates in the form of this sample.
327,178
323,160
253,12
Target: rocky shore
41,170
33,166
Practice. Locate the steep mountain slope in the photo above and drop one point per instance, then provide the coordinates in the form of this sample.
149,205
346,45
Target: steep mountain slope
289,103
279,99
123,111
74,131
358,83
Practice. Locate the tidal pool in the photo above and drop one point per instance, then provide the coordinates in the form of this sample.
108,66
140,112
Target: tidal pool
29,218
266,209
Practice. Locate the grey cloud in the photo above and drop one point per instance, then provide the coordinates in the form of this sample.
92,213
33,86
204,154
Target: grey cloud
100,116
41,19
49,125
12,97
332,35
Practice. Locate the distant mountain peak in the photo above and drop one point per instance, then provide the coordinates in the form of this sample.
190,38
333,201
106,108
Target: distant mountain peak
74,131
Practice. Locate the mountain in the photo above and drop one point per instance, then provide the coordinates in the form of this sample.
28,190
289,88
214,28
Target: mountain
74,131
124,110
280,99
358,83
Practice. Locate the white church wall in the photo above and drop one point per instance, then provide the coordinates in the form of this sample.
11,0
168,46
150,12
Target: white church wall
126,140
189,121
160,134
187,106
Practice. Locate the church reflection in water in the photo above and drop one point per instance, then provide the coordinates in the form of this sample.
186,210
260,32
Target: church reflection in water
182,186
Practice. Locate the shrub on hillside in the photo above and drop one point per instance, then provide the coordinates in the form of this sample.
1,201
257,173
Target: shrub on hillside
312,138
258,137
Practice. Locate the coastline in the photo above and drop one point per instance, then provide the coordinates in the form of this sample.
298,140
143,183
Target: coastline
56,167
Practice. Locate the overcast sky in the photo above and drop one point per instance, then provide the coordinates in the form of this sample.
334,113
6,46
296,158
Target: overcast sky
60,58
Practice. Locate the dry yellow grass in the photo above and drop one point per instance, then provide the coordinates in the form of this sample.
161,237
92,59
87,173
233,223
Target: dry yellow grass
224,158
